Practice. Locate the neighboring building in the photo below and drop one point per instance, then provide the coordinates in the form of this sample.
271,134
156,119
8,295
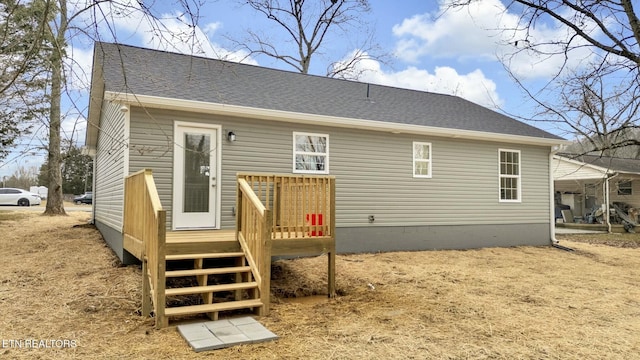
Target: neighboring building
586,183
43,191
414,170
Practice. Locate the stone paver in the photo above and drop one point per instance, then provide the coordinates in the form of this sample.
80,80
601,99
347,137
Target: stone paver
211,335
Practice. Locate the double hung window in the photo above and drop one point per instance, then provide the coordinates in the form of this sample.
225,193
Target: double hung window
310,153
421,159
509,175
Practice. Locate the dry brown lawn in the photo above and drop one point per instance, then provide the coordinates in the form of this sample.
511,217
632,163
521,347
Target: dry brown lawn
60,282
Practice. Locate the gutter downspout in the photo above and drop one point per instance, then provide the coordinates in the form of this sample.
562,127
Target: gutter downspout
552,200
552,208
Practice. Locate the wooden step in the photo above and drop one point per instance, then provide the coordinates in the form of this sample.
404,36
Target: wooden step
210,288
208,271
204,256
208,308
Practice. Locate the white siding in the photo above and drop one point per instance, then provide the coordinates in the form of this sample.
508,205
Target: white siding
567,170
373,171
633,199
110,165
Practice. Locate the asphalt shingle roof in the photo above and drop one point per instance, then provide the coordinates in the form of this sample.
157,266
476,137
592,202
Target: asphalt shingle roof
134,70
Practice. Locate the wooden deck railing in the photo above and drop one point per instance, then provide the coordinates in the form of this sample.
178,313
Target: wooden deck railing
295,209
145,236
302,205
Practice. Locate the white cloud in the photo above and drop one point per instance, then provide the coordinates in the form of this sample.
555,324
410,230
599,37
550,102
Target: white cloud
129,23
74,127
211,28
473,86
484,29
77,67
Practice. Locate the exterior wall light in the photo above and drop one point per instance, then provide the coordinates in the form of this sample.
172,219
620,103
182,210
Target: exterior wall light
231,136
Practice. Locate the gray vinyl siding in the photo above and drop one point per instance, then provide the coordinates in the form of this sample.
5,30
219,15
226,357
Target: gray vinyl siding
110,163
373,171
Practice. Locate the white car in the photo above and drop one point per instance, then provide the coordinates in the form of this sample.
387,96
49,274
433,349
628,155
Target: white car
12,196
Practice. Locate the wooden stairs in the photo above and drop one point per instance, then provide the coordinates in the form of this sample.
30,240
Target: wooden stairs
208,282
192,272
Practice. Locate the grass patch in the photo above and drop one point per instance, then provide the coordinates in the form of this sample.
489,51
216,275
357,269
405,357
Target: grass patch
13,215
61,282
623,240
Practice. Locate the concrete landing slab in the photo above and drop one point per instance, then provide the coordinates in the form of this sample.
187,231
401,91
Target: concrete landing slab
211,335
560,230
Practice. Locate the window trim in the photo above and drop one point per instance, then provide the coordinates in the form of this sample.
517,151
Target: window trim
518,177
295,152
429,161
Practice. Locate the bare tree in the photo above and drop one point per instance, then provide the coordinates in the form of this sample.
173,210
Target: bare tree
81,20
58,30
311,27
596,98
23,178
23,77
603,116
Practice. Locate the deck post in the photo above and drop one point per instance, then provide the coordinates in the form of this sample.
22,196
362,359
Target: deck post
332,228
265,272
146,290
331,277
161,320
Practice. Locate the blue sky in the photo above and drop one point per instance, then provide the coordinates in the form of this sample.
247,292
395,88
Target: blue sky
453,52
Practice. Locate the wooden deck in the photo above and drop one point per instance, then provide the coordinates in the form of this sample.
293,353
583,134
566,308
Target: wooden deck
277,215
201,241
210,241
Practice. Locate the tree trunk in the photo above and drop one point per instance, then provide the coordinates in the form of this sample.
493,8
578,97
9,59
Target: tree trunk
55,205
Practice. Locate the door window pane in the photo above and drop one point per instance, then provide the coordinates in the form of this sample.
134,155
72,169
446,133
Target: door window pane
197,148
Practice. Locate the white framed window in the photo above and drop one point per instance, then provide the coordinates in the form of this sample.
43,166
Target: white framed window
509,175
421,159
310,153
625,188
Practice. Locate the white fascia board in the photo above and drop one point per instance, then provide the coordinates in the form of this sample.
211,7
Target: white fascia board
96,96
322,120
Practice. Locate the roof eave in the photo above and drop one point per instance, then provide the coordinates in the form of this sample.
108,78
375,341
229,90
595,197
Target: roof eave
96,96
313,119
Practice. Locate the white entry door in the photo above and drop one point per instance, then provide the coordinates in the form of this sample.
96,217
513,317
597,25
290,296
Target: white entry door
195,177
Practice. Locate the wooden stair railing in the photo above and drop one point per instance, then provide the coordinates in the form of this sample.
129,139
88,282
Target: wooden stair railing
145,236
253,231
144,228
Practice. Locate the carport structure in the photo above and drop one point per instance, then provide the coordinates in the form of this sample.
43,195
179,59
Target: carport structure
588,182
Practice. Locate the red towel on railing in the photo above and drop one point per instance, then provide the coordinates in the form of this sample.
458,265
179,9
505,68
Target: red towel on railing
312,220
